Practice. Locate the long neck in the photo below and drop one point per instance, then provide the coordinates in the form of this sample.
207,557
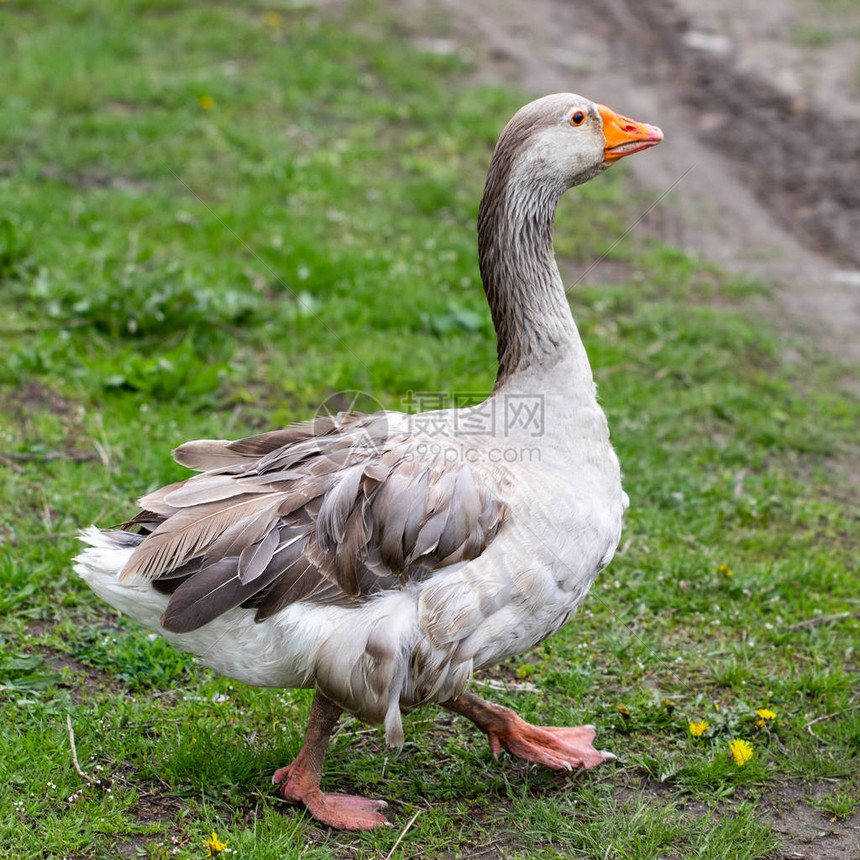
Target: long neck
534,326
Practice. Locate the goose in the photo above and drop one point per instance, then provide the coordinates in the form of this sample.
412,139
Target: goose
381,559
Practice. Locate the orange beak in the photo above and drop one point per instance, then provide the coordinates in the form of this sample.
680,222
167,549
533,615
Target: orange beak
625,136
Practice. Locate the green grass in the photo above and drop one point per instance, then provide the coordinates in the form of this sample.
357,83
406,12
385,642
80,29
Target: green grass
213,219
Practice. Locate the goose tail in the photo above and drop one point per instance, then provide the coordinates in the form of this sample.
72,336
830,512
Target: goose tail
99,566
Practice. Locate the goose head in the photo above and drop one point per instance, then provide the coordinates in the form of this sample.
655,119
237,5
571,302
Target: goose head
563,140
550,145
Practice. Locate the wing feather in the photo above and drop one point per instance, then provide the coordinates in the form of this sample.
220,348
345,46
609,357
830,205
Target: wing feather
331,510
208,488
337,506
210,592
206,454
255,558
181,536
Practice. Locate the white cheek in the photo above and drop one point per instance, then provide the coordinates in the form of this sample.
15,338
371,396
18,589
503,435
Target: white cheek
568,152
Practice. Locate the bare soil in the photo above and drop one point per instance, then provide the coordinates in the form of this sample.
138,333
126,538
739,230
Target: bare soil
808,834
759,171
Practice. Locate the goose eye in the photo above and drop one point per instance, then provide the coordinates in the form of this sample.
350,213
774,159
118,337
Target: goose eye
578,118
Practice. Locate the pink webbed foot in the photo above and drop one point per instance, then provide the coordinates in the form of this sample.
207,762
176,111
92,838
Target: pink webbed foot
300,781
342,811
561,748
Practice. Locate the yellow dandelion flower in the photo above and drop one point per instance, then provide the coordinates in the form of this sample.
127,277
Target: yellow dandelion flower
725,571
698,729
623,710
741,750
272,19
766,714
669,703
214,844
206,102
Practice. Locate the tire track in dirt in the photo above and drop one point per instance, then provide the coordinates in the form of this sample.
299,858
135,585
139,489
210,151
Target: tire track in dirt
802,161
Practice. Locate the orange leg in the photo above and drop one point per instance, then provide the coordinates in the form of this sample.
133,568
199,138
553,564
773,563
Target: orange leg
301,779
556,747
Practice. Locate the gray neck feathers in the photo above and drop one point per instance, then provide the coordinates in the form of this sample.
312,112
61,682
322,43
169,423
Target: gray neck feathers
524,289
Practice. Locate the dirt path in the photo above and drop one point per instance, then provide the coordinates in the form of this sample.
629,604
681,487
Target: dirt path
761,172
760,166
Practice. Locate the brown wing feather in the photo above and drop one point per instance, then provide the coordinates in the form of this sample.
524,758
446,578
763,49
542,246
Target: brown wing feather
188,532
209,593
255,558
206,454
311,512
